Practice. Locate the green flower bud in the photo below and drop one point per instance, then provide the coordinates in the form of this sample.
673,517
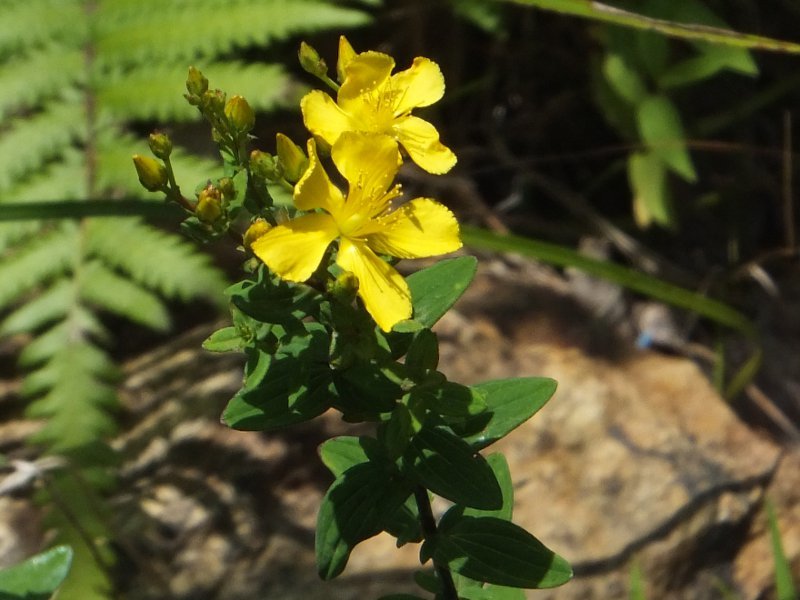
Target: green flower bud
344,287
227,188
196,82
152,174
213,101
265,166
160,145
293,160
311,61
258,228
209,205
239,114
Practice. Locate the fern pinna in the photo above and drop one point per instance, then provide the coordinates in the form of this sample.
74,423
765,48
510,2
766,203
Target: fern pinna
74,75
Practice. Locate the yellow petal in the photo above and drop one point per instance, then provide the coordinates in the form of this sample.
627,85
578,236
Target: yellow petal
346,54
421,141
365,73
323,117
420,85
419,228
315,190
369,163
384,291
294,250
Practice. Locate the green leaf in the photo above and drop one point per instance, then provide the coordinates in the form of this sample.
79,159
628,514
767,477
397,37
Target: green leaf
648,179
395,433
626,277
346,451
784,586
270,299
509,403
296,387
598,11
423,354
38,577
446,465
499,465
499,552
451,399
661,128
711,60
357,506
492,592
365,391
623,79
226,339
435,289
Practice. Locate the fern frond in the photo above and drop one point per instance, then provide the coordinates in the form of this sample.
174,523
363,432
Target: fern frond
40,76
61,180
39,22
159,261
54,303
209,30
46,345
73,361
48,254
29,143
156,91
109,291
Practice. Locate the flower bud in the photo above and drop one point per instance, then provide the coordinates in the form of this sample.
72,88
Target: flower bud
311,61
344,287
227,188
213,101
160,145
209,205
239,114
258,228
152,174
265,166
196,82
292,158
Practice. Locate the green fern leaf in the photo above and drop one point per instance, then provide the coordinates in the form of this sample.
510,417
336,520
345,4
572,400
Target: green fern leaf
43,75
121,296
49,254
60,335
72,365
159,261
204,32
31,24
53,304
30,142
156,92
60,180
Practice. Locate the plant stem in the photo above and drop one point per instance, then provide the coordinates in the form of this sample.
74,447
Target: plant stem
429,531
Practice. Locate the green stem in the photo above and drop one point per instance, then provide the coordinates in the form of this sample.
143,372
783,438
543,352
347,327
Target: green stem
429,531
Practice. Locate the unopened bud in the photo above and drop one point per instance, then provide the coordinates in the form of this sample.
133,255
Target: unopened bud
344,287
227,188
152,174
265,166
160,145
292,158
258,228
209,205
213,101
239,114
311,61
196,82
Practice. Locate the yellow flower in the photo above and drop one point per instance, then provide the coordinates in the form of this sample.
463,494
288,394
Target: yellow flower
373,100
363,221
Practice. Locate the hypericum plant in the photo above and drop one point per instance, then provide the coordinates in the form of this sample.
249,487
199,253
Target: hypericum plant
327,322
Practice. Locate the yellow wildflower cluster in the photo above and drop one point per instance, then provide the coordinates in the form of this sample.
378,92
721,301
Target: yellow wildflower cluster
364,128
